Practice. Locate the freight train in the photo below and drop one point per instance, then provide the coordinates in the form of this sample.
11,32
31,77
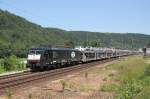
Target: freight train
50,58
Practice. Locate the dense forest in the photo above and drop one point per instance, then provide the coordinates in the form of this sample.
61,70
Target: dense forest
17,35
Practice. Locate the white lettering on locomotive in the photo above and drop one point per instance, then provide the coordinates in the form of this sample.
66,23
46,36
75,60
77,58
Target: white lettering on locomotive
73,54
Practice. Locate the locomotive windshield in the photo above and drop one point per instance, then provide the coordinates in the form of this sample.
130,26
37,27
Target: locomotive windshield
37,52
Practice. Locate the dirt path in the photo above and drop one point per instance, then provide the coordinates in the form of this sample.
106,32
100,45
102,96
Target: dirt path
81,85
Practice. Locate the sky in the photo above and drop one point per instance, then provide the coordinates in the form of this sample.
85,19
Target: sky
121,16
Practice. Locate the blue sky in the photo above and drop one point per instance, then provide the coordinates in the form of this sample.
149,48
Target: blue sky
87,15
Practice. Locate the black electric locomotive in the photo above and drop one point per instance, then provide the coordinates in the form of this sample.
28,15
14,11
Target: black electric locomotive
47,58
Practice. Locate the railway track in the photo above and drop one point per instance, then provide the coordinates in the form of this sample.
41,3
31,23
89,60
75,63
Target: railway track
27,77
14,75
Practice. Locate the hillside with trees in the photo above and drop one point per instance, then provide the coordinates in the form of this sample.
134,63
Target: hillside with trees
17,35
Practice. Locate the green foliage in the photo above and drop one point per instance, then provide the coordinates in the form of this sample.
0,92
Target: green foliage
144,94
63,84
69,44
148,44
17,35
147,71
11,63
1,65
134,78
109,88
129,88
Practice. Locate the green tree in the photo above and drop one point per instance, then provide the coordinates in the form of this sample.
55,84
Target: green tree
10,63
94,43
70,44
148,44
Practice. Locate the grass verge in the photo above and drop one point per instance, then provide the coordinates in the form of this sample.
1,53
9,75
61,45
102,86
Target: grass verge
133,76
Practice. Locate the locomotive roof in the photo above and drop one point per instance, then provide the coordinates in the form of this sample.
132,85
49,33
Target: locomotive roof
53,49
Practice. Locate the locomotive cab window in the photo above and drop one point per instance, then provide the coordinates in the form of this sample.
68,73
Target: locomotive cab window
31,52
37,52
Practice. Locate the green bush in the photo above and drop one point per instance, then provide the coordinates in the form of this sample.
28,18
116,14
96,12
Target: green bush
129,88
63,84
11,63
1,66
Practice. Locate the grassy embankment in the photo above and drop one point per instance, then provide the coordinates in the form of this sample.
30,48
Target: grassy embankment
11,63
132,80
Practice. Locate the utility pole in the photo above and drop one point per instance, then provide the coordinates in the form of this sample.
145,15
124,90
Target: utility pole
132,43
87,39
